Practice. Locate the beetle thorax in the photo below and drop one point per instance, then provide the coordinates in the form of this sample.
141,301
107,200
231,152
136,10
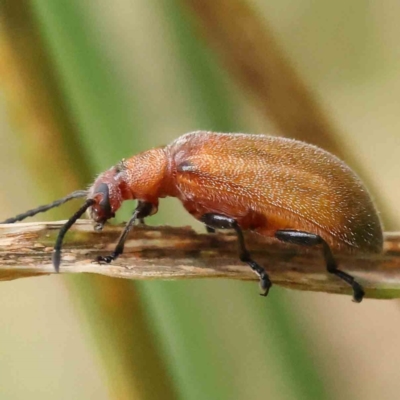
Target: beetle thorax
146,175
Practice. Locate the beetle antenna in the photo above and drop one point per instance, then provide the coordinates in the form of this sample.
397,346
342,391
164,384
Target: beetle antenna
64,230
31,213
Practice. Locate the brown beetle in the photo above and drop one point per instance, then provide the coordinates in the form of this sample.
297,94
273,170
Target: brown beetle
275,186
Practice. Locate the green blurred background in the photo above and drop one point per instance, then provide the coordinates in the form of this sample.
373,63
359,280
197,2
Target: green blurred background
84,84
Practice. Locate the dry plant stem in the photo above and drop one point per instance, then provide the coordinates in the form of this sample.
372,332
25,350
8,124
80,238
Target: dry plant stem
181,253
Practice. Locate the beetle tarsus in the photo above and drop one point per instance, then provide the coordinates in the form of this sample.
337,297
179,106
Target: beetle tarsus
265,282
358,291
310,239
106,259
217,221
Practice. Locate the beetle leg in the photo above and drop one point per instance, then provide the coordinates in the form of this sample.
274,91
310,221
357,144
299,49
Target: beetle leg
217,221
310,239
142,210
209,229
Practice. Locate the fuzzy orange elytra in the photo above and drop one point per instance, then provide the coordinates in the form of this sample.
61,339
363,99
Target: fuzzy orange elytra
275,186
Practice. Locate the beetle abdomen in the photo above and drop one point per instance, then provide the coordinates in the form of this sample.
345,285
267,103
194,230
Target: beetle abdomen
270,183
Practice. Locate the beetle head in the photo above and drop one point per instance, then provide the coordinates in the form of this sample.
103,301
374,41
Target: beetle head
107,193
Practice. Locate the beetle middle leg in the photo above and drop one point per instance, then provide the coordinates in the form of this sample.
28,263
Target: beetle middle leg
218,221
210,230
142,210
310,239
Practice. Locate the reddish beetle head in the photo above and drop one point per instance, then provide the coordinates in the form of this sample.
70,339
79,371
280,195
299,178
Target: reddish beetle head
108,193
142,177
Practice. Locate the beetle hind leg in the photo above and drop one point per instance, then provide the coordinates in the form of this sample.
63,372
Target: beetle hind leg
310,239
218,221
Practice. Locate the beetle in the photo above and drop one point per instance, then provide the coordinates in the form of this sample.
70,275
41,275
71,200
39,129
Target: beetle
278,187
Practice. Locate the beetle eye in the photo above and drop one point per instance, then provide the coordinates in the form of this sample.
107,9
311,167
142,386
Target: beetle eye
105,201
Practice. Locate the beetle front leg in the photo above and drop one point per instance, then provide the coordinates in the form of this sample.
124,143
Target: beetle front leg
217,221
310,239
142,210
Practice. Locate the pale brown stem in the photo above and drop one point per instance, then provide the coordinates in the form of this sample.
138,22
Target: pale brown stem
181,253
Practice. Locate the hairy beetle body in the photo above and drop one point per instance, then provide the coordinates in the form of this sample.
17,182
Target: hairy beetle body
279,187
268,183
